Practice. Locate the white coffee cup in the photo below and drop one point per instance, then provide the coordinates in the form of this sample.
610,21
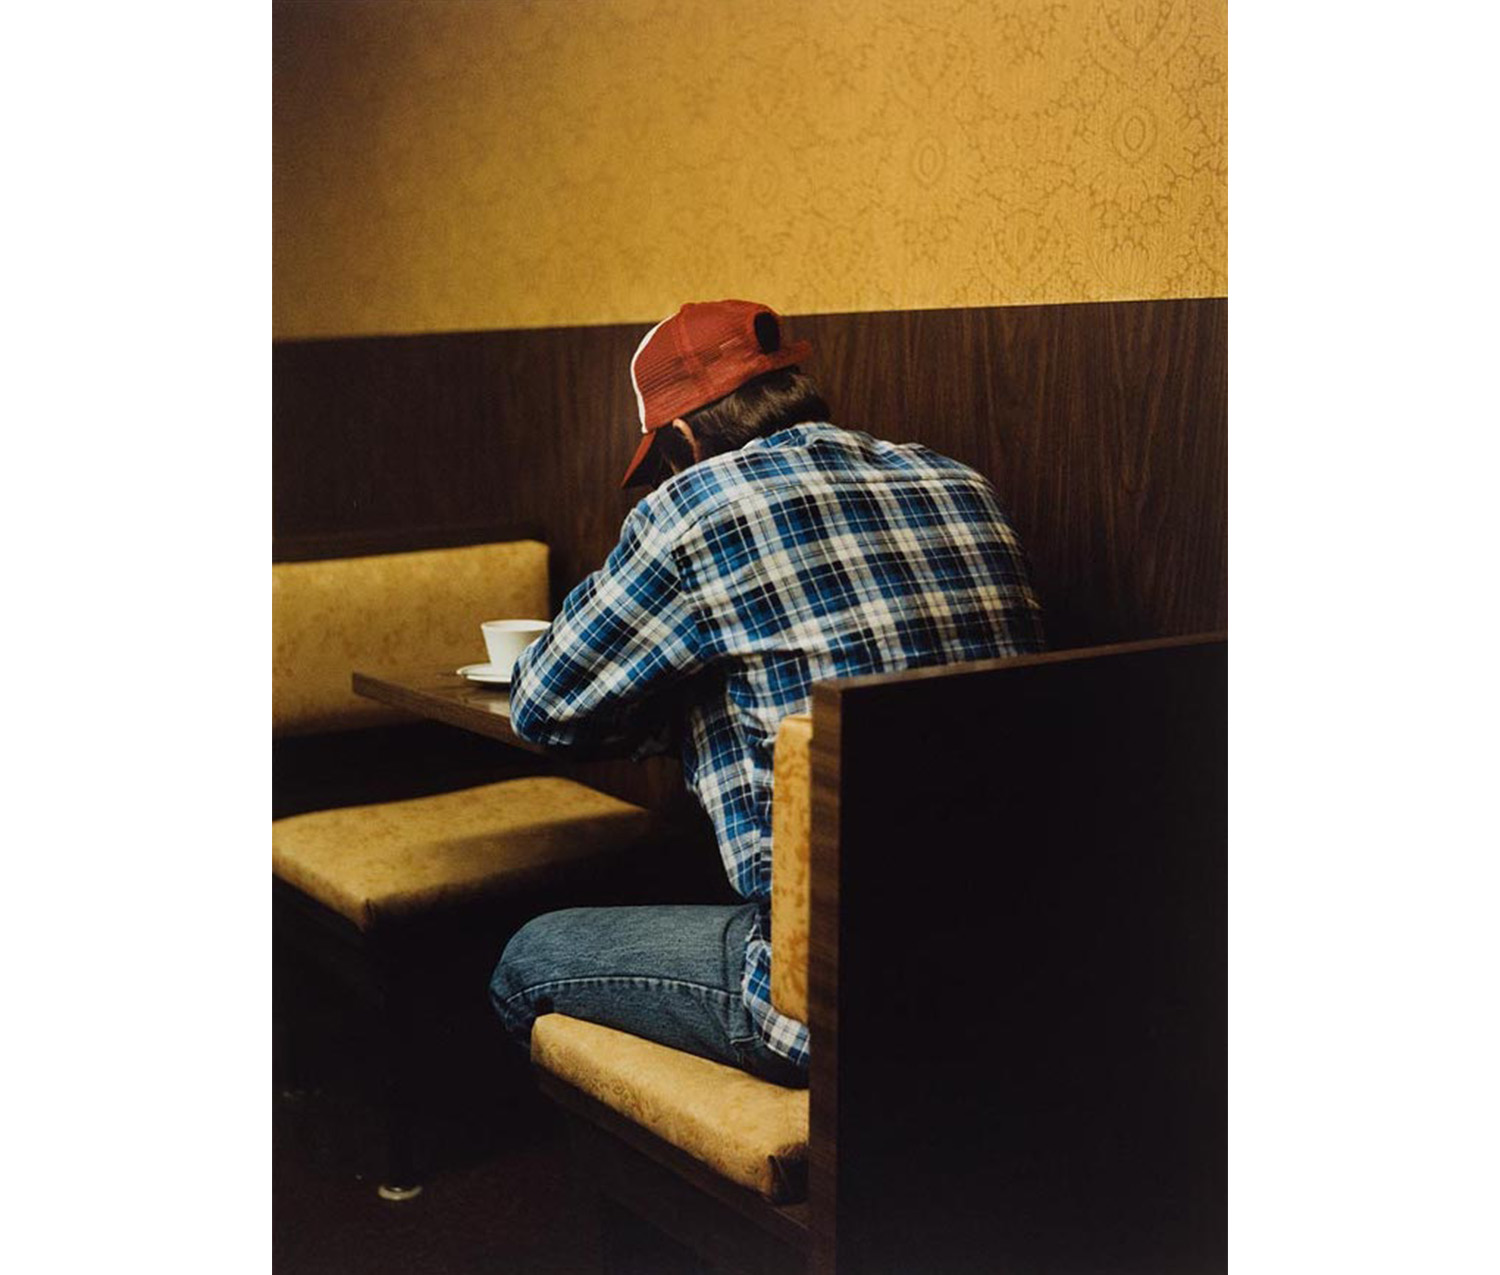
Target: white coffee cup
506,639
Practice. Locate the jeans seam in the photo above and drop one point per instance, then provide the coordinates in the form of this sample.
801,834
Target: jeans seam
643,979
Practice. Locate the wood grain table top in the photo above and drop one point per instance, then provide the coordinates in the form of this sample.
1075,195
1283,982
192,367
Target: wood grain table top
446,697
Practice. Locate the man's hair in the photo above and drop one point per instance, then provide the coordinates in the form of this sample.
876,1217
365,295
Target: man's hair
759,407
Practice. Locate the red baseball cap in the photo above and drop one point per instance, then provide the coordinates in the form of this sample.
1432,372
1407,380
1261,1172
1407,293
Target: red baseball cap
703,352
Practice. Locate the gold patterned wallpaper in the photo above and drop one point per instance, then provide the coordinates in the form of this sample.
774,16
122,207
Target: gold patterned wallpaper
469,164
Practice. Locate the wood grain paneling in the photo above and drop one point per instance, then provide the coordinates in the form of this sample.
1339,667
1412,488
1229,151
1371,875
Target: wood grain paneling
1018,965
1102,426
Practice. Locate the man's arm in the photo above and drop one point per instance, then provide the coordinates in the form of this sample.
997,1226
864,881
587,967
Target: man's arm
596,679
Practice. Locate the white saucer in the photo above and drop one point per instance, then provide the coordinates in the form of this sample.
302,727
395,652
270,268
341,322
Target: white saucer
489,674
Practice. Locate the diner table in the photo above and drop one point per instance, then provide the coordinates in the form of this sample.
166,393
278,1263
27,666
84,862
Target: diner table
446,697
654,782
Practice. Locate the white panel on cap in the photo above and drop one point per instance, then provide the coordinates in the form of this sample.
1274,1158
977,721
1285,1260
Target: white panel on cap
640,402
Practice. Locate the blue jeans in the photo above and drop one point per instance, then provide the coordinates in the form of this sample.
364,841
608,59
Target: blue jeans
670,974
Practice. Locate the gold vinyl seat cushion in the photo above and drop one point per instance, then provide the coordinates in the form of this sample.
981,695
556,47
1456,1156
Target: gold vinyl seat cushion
380,862
752,1132
791,865
388,612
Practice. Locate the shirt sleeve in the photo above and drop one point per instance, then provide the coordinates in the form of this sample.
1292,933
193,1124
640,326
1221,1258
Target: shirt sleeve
599,680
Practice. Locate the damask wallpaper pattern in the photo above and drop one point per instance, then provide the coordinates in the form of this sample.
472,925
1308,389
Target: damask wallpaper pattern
472,164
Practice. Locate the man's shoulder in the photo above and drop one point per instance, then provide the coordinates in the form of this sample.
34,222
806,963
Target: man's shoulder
691,496
802,459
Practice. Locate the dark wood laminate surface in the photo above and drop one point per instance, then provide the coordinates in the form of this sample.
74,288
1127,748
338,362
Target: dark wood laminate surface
1019,1047
446,697
1103,427
823,986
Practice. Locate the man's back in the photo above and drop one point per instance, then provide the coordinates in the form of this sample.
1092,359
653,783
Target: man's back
782,553
815,552
819,552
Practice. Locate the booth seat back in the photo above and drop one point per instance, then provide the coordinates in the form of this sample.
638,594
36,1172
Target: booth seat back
419,610
791,874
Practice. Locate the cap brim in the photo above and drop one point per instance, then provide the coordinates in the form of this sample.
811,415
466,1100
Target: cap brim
641,459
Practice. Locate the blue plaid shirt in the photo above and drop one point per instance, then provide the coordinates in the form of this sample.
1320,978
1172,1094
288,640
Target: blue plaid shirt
813,553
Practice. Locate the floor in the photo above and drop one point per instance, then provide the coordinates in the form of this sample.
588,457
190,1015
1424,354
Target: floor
498,1197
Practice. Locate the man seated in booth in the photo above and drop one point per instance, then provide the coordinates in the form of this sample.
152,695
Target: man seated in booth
780,550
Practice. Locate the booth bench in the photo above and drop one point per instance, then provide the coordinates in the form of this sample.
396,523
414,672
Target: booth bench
411,900
1007,935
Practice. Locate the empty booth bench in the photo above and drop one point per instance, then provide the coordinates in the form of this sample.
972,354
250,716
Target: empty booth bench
411,900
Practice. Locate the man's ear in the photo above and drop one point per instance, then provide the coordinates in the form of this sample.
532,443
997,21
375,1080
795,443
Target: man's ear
686,431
